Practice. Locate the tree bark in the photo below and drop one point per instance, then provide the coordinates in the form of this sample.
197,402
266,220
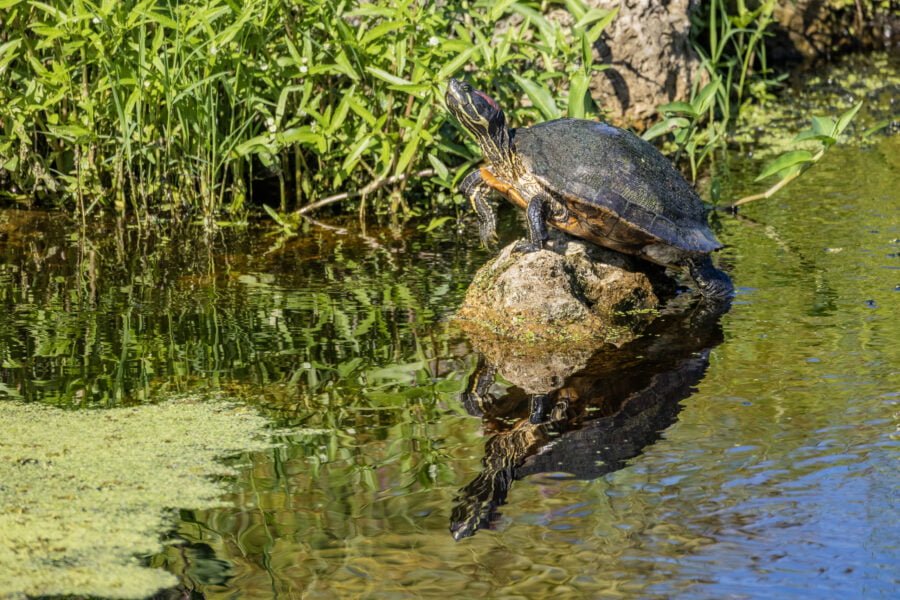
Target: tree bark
651,62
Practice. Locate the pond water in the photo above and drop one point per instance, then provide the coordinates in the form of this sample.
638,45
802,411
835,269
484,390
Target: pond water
747,455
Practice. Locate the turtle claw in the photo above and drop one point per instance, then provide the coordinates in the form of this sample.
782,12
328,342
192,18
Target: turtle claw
712,283
526,247
488,236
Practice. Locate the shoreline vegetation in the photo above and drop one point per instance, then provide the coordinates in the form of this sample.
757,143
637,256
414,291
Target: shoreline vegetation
213,109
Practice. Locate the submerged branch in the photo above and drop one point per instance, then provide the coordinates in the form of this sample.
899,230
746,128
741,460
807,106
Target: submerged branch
367,189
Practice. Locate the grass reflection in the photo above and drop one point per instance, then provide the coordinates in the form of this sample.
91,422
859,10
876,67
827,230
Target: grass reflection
116,316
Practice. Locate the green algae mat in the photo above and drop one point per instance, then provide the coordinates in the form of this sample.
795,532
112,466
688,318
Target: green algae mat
85,493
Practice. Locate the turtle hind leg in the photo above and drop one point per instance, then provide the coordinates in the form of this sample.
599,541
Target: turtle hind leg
713,283
477,191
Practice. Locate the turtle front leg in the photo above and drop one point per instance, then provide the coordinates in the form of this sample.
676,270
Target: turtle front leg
536,215
477,191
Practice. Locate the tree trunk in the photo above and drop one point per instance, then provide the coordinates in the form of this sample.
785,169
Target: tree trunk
650,56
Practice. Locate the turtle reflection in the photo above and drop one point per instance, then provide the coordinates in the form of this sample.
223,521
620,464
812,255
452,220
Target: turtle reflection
591,421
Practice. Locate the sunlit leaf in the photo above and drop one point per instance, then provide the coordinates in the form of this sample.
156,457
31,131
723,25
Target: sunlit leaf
439,167
454,65
823,126
408,152
845,119
380,30
876,128
702,101
786,161
677,107
809,134
539,96
666,126
436,223
577,8
579,99
355,152
388,77
601,19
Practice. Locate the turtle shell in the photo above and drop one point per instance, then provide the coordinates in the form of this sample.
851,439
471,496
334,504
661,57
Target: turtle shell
622,192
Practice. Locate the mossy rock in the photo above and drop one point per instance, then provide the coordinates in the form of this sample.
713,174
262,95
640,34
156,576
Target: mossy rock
571,292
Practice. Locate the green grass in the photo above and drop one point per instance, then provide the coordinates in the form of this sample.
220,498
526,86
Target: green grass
146,106
204,107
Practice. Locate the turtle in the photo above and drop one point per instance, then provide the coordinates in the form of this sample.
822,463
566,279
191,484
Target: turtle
592,180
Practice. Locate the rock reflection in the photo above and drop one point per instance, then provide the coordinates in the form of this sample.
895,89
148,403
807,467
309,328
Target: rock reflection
590,417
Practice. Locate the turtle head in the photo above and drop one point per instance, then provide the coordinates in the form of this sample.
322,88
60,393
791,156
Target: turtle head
479,114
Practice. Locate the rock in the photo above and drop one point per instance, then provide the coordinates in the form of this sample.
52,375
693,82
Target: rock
572,292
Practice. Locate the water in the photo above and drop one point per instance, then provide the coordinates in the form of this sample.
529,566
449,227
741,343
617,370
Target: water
748,456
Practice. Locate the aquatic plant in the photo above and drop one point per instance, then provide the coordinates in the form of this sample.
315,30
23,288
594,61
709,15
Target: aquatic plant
790,164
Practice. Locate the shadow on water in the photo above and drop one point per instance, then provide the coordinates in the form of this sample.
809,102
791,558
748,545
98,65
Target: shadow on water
588,423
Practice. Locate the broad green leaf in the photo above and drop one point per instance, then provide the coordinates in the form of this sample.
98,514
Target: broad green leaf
415,89
158,18
540,97
577,8
360,109
844,119
439,167
665,126
281,106
275,216
379,31
292,50
677,107
355,152
598,28
587,52
704,98
436,223
809,134
4,4
388,77
595,14
301,135
50,10
823,126
578,95
254,145
340,113
408,152
8,51
345,66
547,29
451,67
498,9
785,161
47,31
